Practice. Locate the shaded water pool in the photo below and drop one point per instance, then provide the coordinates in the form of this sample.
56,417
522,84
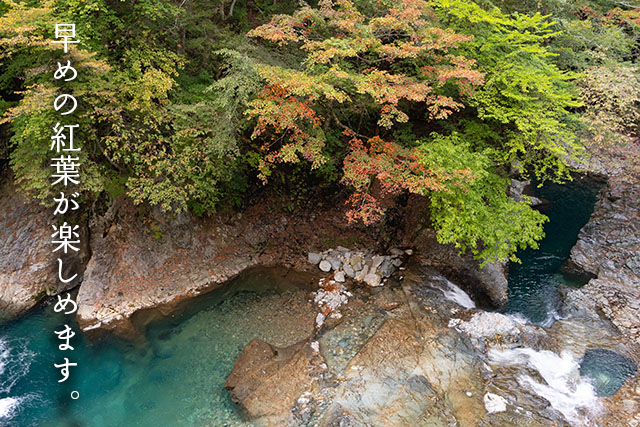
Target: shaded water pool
533,284
175,378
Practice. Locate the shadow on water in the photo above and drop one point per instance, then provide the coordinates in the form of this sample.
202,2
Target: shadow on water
533,284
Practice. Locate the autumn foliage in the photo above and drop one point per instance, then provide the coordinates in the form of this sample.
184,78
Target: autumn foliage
375,67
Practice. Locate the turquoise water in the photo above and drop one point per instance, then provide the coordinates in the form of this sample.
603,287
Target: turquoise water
174,379
607,369
533,284
176,376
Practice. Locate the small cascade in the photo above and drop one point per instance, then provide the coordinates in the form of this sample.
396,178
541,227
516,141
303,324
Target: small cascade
562,386
451,291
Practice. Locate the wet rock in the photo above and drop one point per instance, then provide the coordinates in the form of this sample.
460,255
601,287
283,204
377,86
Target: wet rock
490,280
411,368
267,381
487,324
325,266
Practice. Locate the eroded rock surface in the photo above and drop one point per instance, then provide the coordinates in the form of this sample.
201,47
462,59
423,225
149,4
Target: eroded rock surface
491,280
142,262
608,247
266,382
406,355
28,265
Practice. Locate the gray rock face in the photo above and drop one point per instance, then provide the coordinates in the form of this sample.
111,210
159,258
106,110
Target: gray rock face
28,265
521,188
491,279
608,247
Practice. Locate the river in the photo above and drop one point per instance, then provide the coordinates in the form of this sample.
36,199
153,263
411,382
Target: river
175,374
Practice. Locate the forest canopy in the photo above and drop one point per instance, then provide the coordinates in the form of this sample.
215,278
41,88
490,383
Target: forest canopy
194,105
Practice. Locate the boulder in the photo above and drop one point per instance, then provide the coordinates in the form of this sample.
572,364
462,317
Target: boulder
267,381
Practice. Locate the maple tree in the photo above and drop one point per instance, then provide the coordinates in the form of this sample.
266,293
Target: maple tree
446,99
368,74
372,68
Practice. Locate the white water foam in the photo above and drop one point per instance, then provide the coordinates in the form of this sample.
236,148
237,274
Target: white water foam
15,361
563,387
452,292
9,407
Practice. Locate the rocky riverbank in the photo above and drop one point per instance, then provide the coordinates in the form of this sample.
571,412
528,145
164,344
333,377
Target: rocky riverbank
138,260
409,354
28,267
608,249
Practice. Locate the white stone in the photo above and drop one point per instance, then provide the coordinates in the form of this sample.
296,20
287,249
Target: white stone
494,403
349,271
372,279
487,324
325,265
339,276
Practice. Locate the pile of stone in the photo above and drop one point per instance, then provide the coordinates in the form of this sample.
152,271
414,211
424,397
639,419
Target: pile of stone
329,298
361,266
